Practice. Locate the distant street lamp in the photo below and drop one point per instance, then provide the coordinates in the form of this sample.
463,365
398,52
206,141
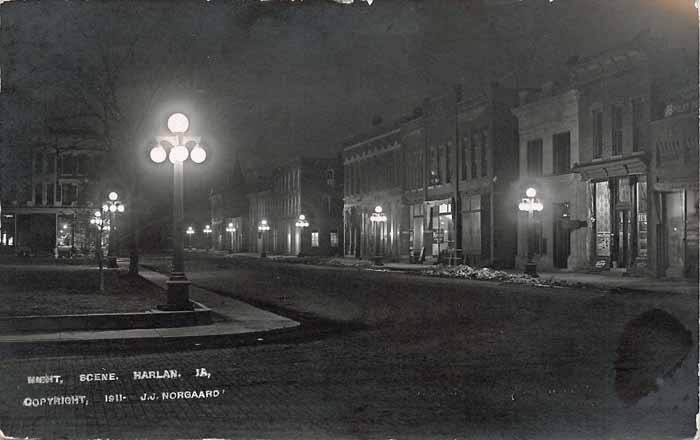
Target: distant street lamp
263,227
181,148
230,229
378,218
207,233
113,206
189,232
530,204
100,224
301,223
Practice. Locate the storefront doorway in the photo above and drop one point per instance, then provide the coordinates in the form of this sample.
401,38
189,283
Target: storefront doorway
620,221
561,235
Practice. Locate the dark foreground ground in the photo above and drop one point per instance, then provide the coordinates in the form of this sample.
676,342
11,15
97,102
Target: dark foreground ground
409,357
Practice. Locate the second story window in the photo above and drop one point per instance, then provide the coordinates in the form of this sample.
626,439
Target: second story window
616,124
330,177
562,152
465,156
636,125
597,119
484,154
38,194
39,163
534,158
472,155
67,165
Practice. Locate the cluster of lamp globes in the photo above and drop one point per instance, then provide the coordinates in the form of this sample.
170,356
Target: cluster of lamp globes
230,228
263,226
302,222
113,205
530,203
178,124
378,215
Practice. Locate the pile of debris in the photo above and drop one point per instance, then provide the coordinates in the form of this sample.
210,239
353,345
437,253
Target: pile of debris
488,274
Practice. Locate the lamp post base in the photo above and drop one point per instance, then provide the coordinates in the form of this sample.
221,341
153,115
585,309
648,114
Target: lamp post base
178,294
531,269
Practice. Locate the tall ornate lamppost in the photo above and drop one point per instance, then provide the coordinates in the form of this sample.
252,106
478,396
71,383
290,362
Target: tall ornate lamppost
530,204
263,227
378,218
207,233
301,223
231,230
100,224
189,232
180,149
112,207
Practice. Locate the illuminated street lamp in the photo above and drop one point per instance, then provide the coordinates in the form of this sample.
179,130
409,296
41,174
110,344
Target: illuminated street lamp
113,206
100,224
301,223
230,229
207,233
263,227
530,204
378,218
189,231
180,149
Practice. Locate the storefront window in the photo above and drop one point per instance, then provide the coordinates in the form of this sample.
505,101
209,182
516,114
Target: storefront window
602,217
642,236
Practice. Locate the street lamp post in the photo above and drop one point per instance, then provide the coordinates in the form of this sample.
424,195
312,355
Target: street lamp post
207,233
113,206
180,149
378,218
301,223
230,229
99,223
530,204
189,233
263,227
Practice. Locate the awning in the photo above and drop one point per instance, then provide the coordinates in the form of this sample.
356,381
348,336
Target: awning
635,163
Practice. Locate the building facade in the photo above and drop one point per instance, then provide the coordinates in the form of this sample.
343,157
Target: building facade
229,212
442,178
308,187
549,147
47,211
615,160
372,179
673,219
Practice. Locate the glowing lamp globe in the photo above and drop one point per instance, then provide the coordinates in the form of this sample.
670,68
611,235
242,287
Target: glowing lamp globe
302,217
178,123
113,196
530,192
158,154
178,154
198,154
105,208
113,208
121,208
378,209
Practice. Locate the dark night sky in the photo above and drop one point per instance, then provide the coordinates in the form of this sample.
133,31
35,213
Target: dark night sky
273,80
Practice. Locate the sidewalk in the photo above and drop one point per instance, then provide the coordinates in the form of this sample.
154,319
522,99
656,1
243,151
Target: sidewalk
239,318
